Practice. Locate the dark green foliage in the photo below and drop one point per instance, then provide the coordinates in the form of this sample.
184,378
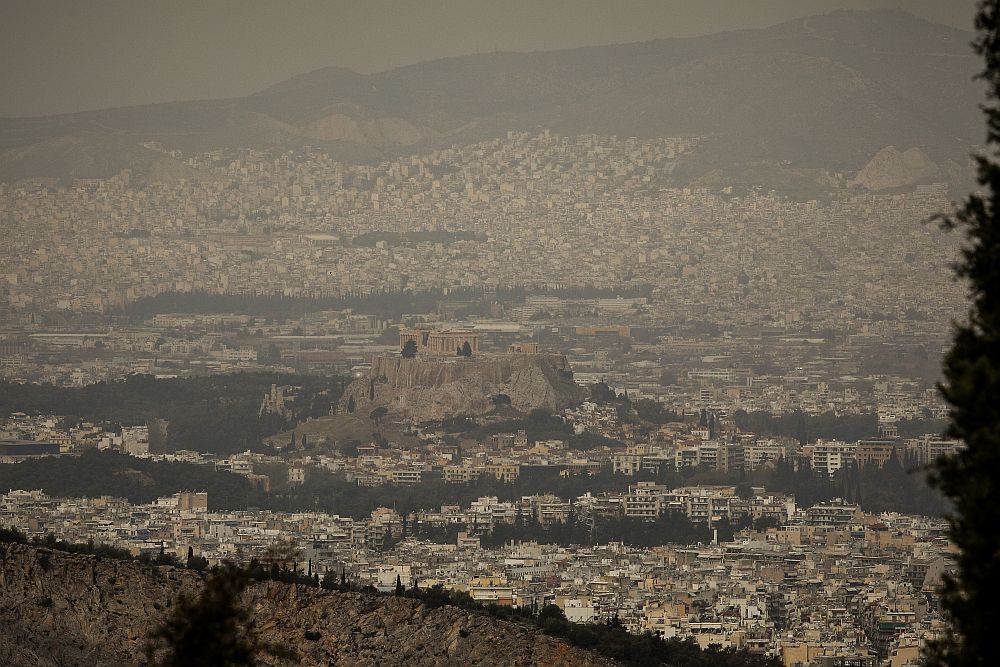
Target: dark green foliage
552,621
95,474
668,529
537,425
501,401
272,354
409,350
50,541
215,413
465,350
167,559
807,428
331,493
971,478
654,412
388,541
808,487
765,522
387,304
12,536
389,336
142,481
378,413
896,487
197,563
369,239
601,393
213,629
45,561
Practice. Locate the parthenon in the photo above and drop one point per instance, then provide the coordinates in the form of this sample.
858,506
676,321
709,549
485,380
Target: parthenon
434,341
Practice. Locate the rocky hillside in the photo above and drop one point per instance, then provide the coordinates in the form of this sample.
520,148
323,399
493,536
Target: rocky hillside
432,388
891,168
824,92
61,609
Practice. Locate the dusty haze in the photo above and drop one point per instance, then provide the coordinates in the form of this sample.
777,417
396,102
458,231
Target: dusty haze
65,56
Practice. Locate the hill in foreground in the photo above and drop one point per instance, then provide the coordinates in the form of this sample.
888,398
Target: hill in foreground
63,609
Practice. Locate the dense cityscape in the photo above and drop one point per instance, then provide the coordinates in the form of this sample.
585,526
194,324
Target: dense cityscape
596,376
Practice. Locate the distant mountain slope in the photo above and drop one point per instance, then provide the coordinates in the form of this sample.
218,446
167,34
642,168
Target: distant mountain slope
822,92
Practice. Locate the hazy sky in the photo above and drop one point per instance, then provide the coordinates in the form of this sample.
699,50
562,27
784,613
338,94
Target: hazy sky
70,55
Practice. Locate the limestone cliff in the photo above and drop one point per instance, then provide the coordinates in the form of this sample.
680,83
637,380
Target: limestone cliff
62,609
431,388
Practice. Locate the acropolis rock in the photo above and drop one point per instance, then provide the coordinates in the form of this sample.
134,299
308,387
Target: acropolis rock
428,388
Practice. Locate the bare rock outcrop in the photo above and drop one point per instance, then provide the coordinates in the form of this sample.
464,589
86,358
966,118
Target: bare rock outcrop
892,169
431,388
63,609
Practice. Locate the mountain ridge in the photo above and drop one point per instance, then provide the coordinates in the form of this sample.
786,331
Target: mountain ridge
825,92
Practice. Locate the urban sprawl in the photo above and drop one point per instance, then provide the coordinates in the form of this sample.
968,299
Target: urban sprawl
706,305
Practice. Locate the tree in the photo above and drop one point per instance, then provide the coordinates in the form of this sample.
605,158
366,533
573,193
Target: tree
212,629
409,349
377,414
972,389
388,541
465,350
272,354
400,589
199,563
501,400
600,392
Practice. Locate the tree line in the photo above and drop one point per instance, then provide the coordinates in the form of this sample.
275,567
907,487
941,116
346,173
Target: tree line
829,426
213,414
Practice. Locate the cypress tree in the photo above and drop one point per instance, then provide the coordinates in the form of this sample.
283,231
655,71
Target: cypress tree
971,478
213,629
